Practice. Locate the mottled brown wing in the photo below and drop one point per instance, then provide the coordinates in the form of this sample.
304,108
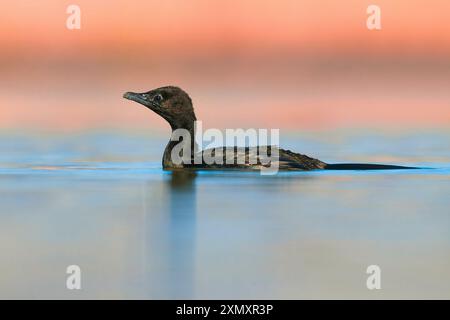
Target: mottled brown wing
252,158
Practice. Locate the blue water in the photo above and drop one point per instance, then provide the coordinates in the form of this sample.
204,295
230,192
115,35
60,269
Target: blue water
100,200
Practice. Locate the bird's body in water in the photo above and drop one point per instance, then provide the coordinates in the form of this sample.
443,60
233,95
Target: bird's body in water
175,106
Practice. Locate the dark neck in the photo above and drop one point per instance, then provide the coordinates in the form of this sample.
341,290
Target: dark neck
167,157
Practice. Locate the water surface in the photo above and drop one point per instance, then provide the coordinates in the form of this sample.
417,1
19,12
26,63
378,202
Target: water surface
100,200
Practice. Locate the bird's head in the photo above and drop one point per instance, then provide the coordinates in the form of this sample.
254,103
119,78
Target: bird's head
171,103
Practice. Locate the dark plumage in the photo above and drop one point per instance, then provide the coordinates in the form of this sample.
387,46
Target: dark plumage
175,106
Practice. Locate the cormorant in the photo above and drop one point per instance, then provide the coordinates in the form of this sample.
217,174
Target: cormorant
175,106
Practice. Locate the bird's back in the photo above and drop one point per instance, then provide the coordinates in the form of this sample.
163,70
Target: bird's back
253,158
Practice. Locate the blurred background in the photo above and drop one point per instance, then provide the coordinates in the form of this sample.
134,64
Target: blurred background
294,65
81,180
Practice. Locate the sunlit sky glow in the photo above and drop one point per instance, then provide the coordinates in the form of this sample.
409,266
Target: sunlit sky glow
288,64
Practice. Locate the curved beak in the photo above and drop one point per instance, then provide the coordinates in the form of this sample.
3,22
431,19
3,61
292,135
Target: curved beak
137,97
127,95
143,98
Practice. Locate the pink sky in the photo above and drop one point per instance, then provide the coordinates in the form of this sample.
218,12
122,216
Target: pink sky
288,64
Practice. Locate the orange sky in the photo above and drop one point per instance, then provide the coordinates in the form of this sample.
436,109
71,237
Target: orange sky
147,25
290,64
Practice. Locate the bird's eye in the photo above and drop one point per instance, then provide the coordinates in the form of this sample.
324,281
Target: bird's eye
144,96
158,98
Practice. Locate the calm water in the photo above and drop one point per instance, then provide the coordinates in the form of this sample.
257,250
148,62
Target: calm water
101,201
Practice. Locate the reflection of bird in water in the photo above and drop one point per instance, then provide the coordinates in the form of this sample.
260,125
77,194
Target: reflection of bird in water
175,106
171,233
182,233
182,179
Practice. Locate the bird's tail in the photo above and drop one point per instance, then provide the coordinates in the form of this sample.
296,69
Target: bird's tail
364,166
